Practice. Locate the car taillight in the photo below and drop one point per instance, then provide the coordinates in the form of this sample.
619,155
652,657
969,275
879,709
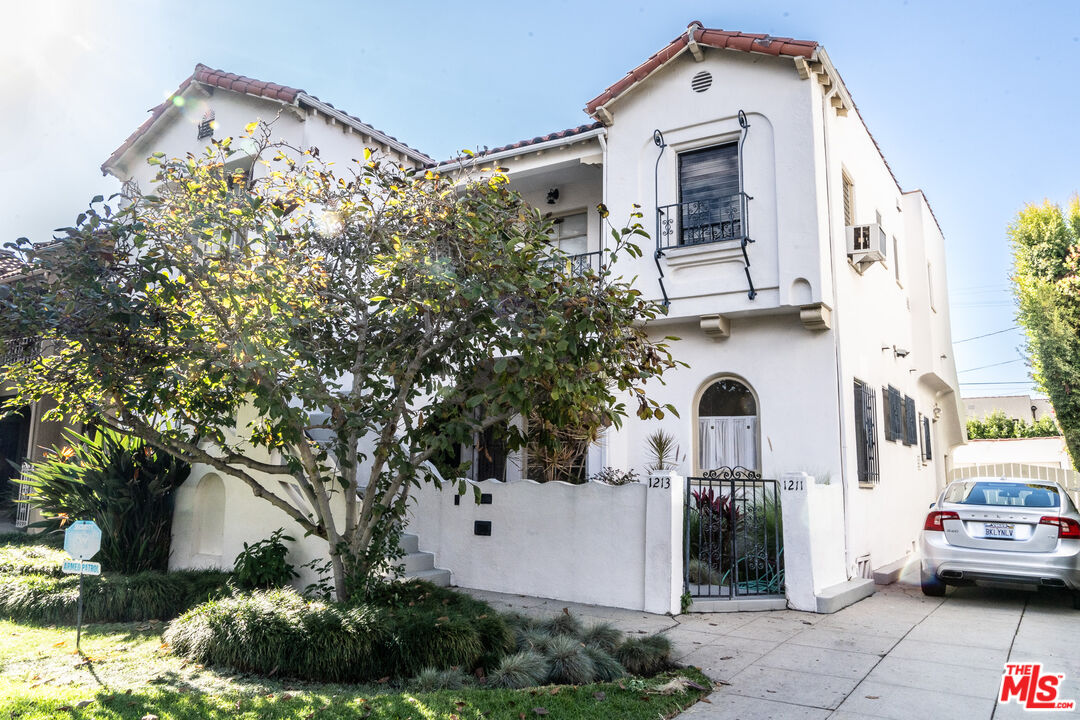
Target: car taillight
936,520
1067,527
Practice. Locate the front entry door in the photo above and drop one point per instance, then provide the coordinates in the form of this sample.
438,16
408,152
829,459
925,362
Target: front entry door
14,437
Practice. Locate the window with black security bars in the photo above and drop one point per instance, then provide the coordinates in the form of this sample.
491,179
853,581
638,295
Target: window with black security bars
866,443
894,413
911,424
927,454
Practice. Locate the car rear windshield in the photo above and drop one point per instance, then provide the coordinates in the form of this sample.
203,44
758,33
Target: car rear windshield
1003,494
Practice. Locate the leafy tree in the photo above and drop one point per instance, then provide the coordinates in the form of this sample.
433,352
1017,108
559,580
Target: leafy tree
998,425
1046,275
277,321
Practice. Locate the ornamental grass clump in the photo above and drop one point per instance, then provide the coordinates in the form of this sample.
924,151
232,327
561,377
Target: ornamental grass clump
27,559
433,679
607,667
47,599
526,668
644,656
603,636
570,665
398,633
563,624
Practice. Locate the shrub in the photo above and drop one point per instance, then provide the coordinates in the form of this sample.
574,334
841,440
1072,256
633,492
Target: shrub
700,573
399,632
570,665
613,476
523,669
264,565
31,560
603,636
123,485
534,639
563,624
433,679
518,622
607,667
644,656
107,598
25,538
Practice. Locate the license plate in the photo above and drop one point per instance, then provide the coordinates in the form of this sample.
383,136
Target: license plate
999,530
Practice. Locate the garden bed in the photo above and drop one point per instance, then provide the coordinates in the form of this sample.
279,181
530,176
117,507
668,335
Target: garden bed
126,674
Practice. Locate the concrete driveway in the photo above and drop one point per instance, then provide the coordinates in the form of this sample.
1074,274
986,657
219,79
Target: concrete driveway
896,654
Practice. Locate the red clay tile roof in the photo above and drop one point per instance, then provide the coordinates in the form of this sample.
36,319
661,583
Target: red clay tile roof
226,81
9,265
731,40
522,144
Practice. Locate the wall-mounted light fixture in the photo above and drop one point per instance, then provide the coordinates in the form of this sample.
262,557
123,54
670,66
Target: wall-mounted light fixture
900,352
553,196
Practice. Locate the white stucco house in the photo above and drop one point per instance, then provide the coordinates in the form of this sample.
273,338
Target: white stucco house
806,285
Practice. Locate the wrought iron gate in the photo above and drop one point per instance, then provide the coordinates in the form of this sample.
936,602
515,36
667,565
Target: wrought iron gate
734,542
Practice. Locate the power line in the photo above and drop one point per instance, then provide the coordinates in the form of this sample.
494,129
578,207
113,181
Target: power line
996,332
1005,382
983,367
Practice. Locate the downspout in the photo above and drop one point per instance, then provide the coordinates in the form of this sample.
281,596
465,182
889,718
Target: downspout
602,137
836,338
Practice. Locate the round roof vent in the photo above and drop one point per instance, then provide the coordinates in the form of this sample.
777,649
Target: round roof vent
702,81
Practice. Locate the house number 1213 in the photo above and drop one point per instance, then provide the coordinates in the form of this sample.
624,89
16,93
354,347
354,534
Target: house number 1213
664,483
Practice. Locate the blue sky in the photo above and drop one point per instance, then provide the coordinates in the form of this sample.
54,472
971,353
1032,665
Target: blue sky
974,102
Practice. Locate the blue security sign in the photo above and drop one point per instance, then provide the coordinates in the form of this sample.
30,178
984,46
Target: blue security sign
82,539
82,567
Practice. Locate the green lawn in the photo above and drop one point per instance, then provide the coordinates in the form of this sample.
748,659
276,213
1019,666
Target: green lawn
126,672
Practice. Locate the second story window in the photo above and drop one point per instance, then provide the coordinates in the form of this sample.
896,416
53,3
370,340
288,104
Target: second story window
710,206
569,234
849,201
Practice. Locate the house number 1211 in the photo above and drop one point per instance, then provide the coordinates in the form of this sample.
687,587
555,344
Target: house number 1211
794,484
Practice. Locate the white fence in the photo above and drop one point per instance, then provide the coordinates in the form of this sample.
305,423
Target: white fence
1069,479
619,546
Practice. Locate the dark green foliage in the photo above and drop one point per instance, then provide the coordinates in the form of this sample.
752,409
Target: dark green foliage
604,636
25,538
278,631
563,624
123,485
433,679
518,622
108,598
399,632
998,425
607,667
31,560
526,668
264,565
644,656
570,665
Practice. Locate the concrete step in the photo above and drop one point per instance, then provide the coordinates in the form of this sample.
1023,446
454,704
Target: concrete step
409,543
435,576
418,562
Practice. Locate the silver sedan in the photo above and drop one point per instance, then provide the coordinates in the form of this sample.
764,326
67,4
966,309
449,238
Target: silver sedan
1003,532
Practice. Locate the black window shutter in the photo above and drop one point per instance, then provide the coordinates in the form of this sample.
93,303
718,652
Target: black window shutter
911,424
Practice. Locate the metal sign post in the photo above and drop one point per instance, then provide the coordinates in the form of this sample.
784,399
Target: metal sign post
82,540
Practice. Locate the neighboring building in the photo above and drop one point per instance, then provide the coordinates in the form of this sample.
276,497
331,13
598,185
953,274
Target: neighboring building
807,287
1018,407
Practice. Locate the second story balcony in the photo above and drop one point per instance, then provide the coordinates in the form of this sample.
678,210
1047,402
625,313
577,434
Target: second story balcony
697,222
577,264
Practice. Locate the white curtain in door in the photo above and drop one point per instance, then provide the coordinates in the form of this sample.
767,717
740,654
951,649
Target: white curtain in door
727,442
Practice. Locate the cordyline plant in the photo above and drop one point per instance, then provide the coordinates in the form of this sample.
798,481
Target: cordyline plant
278,322
1046,281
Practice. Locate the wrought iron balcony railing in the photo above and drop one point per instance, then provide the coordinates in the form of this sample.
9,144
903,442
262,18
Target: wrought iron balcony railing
577,264
20,349
697,222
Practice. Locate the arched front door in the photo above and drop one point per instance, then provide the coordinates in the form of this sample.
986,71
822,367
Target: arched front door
727,426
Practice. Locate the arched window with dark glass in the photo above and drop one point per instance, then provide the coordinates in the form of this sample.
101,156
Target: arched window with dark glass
727,426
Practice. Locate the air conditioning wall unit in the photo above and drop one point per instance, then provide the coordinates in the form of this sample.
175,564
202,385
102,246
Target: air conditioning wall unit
865,244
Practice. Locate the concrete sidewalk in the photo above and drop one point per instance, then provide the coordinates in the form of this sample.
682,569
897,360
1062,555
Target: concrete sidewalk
896,654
